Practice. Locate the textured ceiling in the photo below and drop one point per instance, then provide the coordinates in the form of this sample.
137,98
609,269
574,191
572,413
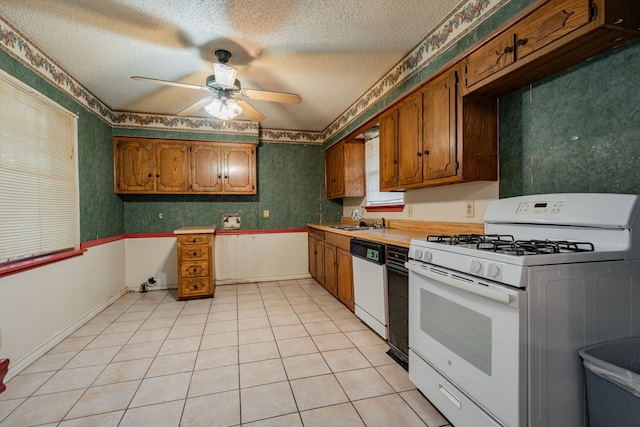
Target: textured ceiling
328,51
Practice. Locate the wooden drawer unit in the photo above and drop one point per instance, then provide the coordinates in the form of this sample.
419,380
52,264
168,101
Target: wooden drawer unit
195,266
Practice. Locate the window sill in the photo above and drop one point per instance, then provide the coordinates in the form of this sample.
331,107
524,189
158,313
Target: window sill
31,263
384,208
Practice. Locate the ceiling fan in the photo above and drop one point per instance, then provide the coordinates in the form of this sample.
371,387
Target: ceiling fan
224,89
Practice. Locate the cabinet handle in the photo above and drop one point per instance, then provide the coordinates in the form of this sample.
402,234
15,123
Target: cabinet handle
419,154
150,175
426,152
521,42
157,175
195,253
225,177
508,49
395,162
193,240
219,176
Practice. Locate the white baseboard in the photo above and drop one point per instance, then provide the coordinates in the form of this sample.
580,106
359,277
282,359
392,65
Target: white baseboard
19,365
161,287
262,279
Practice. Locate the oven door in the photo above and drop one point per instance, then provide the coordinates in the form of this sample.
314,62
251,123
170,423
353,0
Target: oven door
473,333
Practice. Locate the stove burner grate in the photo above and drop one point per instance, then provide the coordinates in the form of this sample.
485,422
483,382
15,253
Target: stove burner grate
506,244
536,247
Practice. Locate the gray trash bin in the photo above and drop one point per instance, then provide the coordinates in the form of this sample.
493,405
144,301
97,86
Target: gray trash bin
612,374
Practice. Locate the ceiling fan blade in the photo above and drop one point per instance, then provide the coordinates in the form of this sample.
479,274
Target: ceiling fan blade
249,111
196,106
263,95
168,83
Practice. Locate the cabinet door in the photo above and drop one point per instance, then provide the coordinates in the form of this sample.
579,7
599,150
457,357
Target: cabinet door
549,23
410,140
172,167
206,168
135,162
389,149
329,174
334,171
345,277
489,59
330,269
239,170
439,128
313,269
319,253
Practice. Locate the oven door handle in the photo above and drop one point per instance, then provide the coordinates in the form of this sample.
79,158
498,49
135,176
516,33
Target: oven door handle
483,291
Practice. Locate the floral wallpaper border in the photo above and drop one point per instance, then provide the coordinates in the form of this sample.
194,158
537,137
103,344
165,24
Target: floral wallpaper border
452,28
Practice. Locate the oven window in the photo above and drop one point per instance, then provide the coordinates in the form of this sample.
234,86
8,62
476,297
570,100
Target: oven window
465,332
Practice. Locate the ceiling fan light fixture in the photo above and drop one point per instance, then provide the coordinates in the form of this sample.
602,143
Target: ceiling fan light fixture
224,109
225,75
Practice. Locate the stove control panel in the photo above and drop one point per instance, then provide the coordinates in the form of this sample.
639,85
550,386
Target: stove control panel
529,208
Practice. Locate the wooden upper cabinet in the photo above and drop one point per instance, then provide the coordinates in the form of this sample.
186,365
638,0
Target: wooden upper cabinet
552,21
410,140
547,24
239,168
344,170
439,128
206,168
135,165
389,177
547,38
172,168
153,166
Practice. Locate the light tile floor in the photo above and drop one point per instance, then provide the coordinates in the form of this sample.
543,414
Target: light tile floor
269,354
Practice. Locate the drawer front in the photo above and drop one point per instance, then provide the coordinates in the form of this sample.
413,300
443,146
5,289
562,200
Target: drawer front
195,287
489,59
549,23
194,252
194,269
316,234
194,239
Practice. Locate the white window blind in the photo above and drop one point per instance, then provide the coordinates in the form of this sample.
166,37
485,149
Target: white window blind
38,174
375,197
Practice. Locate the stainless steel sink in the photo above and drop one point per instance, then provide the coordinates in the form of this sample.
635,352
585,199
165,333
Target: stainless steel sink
351,227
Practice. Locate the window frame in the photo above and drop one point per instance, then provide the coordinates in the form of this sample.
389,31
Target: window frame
392,201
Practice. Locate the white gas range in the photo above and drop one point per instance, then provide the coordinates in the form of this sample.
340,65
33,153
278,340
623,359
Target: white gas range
496,321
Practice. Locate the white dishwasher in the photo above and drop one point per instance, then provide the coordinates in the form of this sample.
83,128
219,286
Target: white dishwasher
370,285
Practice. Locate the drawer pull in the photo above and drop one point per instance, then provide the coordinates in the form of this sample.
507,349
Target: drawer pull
442,389
195,253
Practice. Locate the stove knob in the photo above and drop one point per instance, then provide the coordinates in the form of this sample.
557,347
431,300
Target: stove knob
492,270
427,256
475,266
418,253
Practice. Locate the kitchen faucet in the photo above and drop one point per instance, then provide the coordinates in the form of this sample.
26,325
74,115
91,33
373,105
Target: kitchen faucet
356,216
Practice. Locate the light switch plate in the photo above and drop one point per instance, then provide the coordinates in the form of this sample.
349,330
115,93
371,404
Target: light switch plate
231,221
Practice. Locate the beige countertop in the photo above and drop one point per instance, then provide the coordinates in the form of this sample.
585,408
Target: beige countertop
403,236
204,229
389,236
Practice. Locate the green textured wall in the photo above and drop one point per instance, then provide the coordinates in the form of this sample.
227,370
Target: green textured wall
577,131
101,210
290,185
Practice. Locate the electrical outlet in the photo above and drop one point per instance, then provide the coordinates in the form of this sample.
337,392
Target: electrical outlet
265,213
409,210
470,209
160,215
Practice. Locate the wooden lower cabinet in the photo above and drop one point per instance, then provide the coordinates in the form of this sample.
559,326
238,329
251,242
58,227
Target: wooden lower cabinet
195,266
330,264
344,273
316,255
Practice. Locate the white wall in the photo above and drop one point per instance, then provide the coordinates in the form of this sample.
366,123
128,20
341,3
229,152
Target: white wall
40,307
261,257
152,256
444,203
238,258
